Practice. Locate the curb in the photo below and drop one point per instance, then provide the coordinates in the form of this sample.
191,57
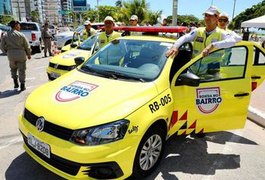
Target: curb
256,116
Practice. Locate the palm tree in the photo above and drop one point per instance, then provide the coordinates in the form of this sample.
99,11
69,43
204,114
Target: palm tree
137,7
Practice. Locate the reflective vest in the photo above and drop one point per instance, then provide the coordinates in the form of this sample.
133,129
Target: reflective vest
104,39
201,41
88,34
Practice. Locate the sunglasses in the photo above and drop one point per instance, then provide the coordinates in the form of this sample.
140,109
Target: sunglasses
222,20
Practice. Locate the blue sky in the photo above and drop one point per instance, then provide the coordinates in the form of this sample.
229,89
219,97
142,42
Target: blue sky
187,7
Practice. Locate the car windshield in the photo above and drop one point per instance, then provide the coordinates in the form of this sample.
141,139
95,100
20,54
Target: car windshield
137,60
88,44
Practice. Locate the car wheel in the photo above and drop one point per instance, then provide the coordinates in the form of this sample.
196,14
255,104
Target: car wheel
149,152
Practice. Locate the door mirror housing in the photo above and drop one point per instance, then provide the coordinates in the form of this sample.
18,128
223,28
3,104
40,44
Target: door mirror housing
79,60
188,79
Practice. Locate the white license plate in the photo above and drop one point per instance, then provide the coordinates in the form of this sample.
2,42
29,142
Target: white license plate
55,75
40,146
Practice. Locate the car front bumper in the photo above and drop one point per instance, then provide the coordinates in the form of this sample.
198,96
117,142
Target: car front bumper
71,161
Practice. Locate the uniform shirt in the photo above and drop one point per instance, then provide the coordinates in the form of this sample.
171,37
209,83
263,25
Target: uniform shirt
88,34
227,40
46,34
15,44
103,38
235,35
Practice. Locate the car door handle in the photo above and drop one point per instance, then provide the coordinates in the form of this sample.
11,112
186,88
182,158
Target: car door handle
241,94
255,77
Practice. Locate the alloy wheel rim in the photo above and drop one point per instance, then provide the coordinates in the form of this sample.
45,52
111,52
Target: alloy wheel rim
150,152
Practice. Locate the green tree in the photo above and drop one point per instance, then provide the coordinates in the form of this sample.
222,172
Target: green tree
137,7
250,13
104,11
5,19
152,17
34,16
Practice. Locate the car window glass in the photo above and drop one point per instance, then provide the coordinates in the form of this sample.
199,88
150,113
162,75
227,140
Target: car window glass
25,26
88,44
224,64
135,58
259,57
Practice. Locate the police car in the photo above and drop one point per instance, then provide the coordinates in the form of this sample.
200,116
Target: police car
110,117
64,62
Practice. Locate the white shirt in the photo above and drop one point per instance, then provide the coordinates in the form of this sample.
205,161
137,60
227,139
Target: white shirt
227,39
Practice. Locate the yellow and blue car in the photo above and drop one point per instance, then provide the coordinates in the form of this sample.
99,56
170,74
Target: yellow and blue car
64,62
110,117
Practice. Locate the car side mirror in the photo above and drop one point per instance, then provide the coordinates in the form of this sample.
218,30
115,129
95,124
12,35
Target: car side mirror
79,60
188,79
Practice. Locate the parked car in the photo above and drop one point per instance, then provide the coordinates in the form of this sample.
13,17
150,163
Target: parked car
110,117
64,62
65,38
32,31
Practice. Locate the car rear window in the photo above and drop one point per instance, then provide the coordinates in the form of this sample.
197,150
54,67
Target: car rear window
26,26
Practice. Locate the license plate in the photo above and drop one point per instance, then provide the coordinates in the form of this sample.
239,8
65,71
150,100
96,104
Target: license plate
55,75
40,146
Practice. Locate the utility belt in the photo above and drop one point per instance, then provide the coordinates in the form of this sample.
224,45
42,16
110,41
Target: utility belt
47,37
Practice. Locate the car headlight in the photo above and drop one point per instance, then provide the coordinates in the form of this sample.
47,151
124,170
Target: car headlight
102,134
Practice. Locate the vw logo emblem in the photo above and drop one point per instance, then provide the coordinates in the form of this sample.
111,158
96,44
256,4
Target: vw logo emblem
56,66
40,124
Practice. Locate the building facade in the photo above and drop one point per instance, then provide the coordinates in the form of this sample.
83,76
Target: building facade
6,8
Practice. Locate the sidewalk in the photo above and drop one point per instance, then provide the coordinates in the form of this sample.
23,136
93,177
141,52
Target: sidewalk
256,109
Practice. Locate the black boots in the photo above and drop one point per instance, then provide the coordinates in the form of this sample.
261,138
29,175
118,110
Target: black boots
45,55
15,83
22,87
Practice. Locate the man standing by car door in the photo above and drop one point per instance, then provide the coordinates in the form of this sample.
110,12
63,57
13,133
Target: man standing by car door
47,39
205,38
18,50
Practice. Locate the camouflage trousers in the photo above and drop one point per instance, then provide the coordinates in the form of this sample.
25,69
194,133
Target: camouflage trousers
18,70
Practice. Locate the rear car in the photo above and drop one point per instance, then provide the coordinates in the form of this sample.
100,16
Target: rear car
110,117
65,62
32,32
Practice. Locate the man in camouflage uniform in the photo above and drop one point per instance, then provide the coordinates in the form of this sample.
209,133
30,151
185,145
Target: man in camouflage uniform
47,39
18,50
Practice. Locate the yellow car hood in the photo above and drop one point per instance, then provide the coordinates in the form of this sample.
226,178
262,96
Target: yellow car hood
79,100
67,58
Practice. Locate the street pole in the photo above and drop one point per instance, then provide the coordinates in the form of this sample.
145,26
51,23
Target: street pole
98,10
18,8
234,9
175,12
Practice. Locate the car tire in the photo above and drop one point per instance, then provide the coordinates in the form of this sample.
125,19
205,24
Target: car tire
149,152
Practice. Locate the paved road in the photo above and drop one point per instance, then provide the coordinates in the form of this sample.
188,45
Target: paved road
226,155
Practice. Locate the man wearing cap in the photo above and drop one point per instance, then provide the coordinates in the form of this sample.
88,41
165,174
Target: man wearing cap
134,22
18,50
88,31
205,39
223,22
47,39
109,34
